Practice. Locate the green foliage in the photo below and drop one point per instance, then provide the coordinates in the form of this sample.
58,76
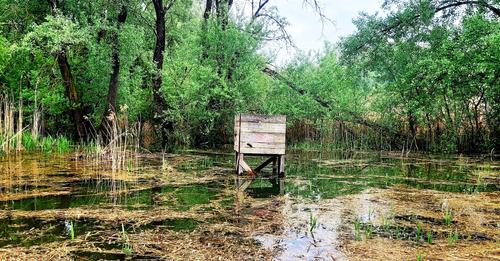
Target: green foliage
434,74
398,232
412,78
5,54
55,35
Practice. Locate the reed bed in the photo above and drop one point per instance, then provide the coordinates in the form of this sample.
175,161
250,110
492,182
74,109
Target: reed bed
11,125
117,145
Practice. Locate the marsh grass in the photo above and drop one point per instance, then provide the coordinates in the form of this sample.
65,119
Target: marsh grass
117,146
14,136
30,143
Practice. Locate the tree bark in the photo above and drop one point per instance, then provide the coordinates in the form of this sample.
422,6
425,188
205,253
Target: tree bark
166,126
208,10
158,54
72,94
114,81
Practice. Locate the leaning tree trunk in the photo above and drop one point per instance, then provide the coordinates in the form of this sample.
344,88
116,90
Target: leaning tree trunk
114,83
76,111
72,94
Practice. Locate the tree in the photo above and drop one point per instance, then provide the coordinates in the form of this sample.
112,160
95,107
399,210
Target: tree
110,109
166,126
423,55
56,36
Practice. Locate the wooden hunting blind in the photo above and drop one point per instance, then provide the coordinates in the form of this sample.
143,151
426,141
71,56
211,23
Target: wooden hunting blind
260,135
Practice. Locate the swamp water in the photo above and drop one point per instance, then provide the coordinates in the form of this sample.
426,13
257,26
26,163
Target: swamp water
333,206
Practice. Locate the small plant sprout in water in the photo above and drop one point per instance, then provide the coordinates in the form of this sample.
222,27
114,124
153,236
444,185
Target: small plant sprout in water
418,232
313,221
164,163
70,229
419,256
448,217
385,223
453,237
357,229
429,237
398,232
370,213
368,230
127,249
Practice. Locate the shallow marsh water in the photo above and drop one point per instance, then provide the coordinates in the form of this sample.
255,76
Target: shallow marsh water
333,206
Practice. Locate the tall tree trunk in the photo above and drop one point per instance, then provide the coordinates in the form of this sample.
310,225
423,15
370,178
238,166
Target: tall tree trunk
158,55
208,10
72,95
114,83
166,125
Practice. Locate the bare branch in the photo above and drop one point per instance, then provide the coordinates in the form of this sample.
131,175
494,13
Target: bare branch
261,5
316,6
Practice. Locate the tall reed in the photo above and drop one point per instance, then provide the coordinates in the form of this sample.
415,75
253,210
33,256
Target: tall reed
10,136
117,144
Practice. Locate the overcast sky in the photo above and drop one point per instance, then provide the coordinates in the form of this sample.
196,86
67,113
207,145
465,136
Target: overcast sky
306,28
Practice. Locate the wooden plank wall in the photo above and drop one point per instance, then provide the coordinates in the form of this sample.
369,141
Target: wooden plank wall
260,134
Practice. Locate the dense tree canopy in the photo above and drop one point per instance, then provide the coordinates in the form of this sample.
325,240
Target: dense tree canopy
423,75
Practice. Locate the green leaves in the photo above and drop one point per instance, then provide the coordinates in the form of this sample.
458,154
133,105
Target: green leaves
5,54
55,35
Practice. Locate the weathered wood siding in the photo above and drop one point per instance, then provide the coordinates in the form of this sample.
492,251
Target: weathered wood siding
260,134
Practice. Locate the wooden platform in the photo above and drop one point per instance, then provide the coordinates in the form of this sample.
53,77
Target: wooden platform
260,135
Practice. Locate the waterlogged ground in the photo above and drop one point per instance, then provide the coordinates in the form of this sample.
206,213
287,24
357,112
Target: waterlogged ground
332,206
